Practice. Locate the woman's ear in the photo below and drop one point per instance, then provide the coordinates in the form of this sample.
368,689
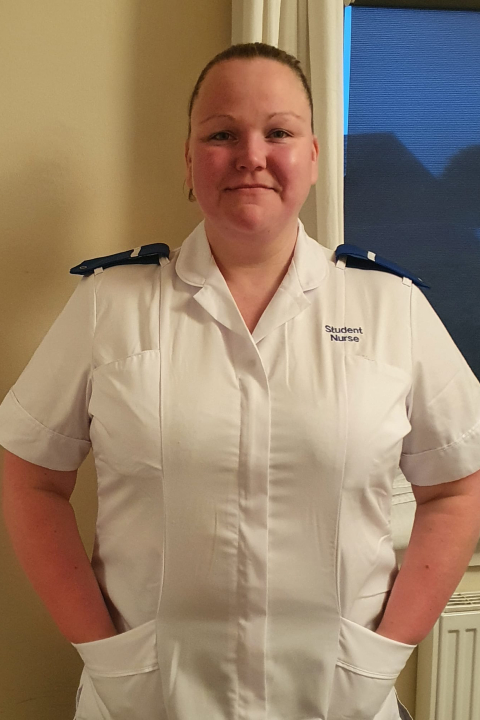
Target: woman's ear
315,152
188,166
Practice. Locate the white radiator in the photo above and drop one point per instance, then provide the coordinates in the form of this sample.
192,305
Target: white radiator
448,671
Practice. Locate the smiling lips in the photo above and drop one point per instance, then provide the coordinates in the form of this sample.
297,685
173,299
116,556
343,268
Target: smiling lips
251,187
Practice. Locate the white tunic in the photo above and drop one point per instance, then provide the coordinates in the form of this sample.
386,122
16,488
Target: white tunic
245,480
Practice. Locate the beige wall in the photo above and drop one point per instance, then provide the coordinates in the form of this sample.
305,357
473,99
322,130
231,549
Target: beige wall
94,97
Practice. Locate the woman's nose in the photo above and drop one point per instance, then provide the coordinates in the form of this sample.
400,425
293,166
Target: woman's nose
251,154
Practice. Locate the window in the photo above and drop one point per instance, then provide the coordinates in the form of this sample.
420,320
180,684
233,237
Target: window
412,164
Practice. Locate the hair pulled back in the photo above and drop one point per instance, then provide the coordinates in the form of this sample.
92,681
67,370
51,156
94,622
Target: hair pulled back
250,51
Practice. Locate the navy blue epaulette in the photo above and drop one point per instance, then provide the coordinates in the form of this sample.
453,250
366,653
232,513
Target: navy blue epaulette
144,255
366,260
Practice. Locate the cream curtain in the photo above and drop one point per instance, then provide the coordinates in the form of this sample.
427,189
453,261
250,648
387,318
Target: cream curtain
312,30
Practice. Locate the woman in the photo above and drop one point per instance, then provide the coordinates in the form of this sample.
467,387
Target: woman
243,565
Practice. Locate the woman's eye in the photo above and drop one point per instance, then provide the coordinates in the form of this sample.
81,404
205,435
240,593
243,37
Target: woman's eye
279,134
222,135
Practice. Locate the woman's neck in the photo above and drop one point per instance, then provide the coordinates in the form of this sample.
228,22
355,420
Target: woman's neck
253,268
250,261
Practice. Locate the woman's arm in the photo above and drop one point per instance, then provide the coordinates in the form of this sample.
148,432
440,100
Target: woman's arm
445,532
44,534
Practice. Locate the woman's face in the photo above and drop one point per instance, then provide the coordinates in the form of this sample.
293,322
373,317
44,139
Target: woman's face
251,157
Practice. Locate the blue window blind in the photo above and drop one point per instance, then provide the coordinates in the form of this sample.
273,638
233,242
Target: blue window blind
412,166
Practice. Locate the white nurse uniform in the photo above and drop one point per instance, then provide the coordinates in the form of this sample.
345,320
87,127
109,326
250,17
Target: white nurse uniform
245,480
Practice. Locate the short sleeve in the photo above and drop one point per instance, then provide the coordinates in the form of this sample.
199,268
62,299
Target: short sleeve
444,404
44,417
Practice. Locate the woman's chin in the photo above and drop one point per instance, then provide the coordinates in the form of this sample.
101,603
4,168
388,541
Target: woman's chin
251,219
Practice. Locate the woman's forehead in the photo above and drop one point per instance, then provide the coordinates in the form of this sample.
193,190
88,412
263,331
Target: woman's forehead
247,81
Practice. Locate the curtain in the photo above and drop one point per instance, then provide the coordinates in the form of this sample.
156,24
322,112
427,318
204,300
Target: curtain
312,30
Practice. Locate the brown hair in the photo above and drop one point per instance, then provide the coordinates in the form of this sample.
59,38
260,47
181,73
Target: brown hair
249,51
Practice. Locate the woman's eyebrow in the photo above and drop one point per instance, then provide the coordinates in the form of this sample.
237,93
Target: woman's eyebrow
213,117
269,117
287,112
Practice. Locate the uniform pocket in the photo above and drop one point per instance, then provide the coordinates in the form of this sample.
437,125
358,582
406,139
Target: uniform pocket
121,679
367,666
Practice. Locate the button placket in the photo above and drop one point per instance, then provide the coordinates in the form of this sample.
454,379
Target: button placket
253,537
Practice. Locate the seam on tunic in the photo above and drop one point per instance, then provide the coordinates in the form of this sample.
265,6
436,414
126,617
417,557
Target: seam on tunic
409,398
123,359
160,430
343,294
267,559
457,441
366,673
166,695
44,427
88,387
240,707
440,392
120,673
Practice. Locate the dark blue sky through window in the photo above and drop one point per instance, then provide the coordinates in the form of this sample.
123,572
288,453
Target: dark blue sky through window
422,68
412,182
